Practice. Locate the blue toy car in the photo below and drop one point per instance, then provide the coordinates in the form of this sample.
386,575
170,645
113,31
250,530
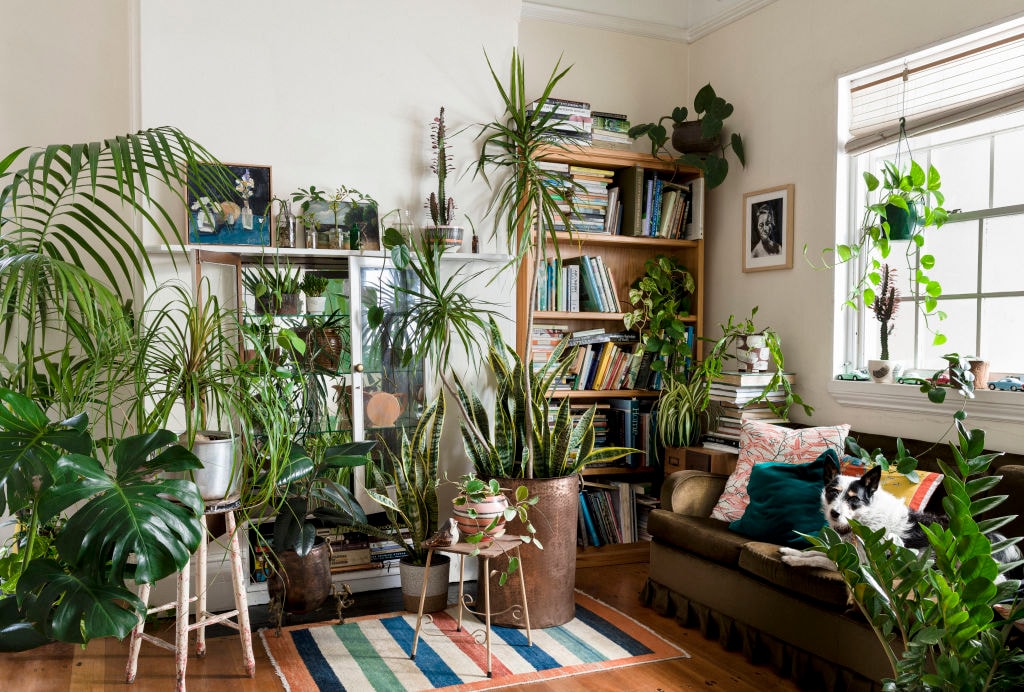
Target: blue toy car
1013,384
860,375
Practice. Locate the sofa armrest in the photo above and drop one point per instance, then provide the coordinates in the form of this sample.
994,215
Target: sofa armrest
690,492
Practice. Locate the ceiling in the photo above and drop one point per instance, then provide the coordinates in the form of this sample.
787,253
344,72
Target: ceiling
684,21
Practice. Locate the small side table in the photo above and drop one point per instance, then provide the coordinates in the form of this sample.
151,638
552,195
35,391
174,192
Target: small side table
498,547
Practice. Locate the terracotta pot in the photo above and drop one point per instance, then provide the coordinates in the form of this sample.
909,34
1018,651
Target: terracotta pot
303,583
686,139
550,573
752,353
474,517
411,576
980,370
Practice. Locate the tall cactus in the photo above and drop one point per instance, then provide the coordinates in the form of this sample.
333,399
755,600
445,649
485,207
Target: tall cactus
442,208
885,305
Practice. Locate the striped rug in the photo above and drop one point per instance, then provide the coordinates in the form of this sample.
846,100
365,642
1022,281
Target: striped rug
372,652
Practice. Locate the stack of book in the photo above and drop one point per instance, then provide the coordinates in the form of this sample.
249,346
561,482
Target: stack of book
544,339
590,198
571,120
733,395
348,550
385,551
611,130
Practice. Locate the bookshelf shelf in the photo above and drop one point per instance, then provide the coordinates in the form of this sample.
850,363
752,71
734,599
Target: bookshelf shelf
619,259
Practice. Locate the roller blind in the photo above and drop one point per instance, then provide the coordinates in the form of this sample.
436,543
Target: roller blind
970,78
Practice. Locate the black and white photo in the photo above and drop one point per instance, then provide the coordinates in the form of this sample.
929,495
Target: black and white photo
768,229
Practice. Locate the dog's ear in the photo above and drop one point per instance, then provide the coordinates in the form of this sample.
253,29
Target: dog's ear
831,469
871,479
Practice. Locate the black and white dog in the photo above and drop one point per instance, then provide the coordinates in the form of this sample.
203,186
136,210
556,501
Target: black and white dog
863,500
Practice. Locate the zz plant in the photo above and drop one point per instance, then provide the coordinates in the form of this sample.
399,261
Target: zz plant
933,610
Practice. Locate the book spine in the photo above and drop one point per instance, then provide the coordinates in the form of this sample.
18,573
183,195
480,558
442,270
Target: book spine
588,520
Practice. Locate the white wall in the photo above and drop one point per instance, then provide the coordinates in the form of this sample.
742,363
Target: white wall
779,68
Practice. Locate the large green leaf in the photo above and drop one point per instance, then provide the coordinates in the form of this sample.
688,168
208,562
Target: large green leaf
130,517
75,609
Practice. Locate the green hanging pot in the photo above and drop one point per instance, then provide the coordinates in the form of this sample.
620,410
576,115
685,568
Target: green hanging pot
902,224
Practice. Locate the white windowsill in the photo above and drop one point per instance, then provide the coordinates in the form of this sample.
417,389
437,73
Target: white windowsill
1000,406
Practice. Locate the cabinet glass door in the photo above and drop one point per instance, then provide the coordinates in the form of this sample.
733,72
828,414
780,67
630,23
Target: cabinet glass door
387,375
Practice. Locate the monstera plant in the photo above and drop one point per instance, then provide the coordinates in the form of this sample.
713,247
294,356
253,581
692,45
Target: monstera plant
67,578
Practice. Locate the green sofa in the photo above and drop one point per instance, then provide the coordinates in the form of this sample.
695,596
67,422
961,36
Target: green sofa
739,591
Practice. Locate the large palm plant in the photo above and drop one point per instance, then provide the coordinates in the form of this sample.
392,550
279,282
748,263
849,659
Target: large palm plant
70,251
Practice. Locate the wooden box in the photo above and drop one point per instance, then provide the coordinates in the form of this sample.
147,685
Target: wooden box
699,459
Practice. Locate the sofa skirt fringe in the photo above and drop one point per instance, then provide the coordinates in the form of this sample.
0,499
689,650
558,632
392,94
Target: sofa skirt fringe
809,672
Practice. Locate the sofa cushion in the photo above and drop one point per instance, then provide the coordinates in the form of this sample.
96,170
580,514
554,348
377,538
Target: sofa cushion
765,561
784,499
703,536
764,442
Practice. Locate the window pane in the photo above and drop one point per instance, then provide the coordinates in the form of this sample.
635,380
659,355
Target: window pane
1009,152
960,328
965,174
955,248
1001,242
1002,329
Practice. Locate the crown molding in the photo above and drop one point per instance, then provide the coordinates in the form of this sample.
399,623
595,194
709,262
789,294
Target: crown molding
607,22
724,18
636,27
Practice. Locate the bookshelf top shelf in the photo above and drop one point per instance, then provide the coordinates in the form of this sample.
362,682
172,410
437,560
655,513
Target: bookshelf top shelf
604,393
634,242
598,157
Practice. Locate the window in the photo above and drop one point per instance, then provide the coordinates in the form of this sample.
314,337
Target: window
965,115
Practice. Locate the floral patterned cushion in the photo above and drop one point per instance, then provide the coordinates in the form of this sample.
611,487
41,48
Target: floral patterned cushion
762,442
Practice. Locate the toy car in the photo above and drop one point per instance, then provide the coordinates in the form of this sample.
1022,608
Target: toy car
1014,384
860,375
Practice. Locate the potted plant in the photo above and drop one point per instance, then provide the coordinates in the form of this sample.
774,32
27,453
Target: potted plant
441,207
481,510
314,285
699,141
901,190
884,306
275,286
560,450
932,610
310,491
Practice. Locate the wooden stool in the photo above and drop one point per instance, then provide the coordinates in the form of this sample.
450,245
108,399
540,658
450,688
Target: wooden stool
203,618
498,547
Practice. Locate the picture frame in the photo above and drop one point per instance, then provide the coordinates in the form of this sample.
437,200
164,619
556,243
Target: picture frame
768,229
230,204
334,224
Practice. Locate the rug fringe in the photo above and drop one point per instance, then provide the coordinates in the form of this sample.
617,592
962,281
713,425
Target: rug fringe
684,652
273,661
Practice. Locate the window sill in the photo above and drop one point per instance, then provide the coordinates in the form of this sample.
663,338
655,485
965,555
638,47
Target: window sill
998,406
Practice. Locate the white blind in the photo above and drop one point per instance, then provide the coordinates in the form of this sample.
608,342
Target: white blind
971,78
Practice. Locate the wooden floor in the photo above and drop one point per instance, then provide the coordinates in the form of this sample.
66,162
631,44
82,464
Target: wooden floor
100,665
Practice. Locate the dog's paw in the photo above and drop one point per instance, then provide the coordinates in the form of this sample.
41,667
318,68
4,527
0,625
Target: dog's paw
792,556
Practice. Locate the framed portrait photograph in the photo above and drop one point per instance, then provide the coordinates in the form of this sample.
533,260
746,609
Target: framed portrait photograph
229,205
768,229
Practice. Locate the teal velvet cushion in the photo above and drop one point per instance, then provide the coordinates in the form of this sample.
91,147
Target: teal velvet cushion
784,499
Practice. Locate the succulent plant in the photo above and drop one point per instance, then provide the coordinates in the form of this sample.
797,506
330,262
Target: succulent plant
442,207
885,305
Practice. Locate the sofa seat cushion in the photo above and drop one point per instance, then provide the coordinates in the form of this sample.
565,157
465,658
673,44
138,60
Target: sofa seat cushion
765,561
703,536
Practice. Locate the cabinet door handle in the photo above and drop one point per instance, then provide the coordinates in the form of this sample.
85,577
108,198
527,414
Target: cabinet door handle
358,367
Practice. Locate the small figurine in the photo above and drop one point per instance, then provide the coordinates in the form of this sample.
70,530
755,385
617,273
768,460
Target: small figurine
445,536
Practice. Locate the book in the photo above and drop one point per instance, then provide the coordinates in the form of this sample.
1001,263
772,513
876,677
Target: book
593,286
588,521
631,185
630,410
750,379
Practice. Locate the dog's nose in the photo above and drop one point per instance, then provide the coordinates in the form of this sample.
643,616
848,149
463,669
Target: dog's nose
834,513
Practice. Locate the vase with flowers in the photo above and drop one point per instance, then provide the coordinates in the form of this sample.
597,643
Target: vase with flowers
246,186
442,228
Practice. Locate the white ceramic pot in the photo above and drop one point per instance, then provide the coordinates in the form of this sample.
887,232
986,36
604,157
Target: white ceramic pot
315,305
411,577
882,371
220,476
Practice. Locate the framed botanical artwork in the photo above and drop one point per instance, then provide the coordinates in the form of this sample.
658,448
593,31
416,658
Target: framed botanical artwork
229,205
768,229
